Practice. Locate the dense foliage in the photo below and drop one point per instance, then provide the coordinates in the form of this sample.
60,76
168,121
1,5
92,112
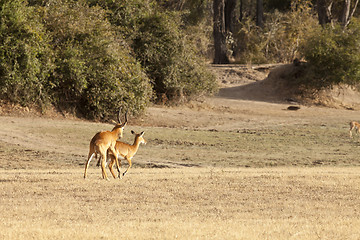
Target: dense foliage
95,72
330,52
25,55
168,58
333,56
280,38
164,47
90,57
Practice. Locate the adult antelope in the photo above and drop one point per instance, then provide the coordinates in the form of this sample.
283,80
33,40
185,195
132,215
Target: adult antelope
104,141
126,151
353,125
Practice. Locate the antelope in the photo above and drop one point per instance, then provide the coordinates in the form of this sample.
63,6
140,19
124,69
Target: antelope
126,151
353,125
104,141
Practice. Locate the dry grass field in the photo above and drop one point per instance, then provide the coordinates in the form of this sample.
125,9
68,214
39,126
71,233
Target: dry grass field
228,167
186,203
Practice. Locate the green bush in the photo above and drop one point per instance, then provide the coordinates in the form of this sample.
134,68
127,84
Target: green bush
95,73
333,56
170,58
92,56
25,55
125,15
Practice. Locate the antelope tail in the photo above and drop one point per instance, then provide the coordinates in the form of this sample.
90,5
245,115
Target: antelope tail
92,155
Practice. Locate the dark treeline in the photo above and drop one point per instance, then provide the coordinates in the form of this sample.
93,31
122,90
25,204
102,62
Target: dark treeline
89,57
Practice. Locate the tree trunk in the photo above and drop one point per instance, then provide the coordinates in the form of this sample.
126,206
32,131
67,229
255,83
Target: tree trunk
259,13
347,13
344,16
324,11
220,33
241,6
230,15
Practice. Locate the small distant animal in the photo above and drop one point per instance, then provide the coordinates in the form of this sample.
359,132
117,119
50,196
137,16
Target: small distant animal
354,125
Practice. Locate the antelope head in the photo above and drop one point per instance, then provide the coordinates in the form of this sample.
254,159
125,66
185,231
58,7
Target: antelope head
120,125
139,137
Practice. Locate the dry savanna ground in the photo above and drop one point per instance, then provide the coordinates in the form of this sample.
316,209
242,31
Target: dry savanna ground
235,166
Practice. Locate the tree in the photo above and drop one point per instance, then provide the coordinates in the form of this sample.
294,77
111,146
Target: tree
331,10
346,15
230,18
259,13
220,33
324,11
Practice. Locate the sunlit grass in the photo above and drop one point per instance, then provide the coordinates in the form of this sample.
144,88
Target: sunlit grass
186,203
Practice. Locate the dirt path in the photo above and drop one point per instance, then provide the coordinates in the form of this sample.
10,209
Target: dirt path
245,101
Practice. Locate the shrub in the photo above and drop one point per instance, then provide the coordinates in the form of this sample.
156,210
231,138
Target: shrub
25,55
333,56
95,73
171,59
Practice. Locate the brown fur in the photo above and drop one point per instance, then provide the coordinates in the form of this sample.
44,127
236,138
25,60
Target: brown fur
354,125
126,151
104,141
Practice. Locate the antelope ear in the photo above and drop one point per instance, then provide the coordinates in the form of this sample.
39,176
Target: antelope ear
132,132
142,133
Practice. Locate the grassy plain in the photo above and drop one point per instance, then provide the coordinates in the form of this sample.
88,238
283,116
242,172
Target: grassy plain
298,181
64,144
186,203
236,166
